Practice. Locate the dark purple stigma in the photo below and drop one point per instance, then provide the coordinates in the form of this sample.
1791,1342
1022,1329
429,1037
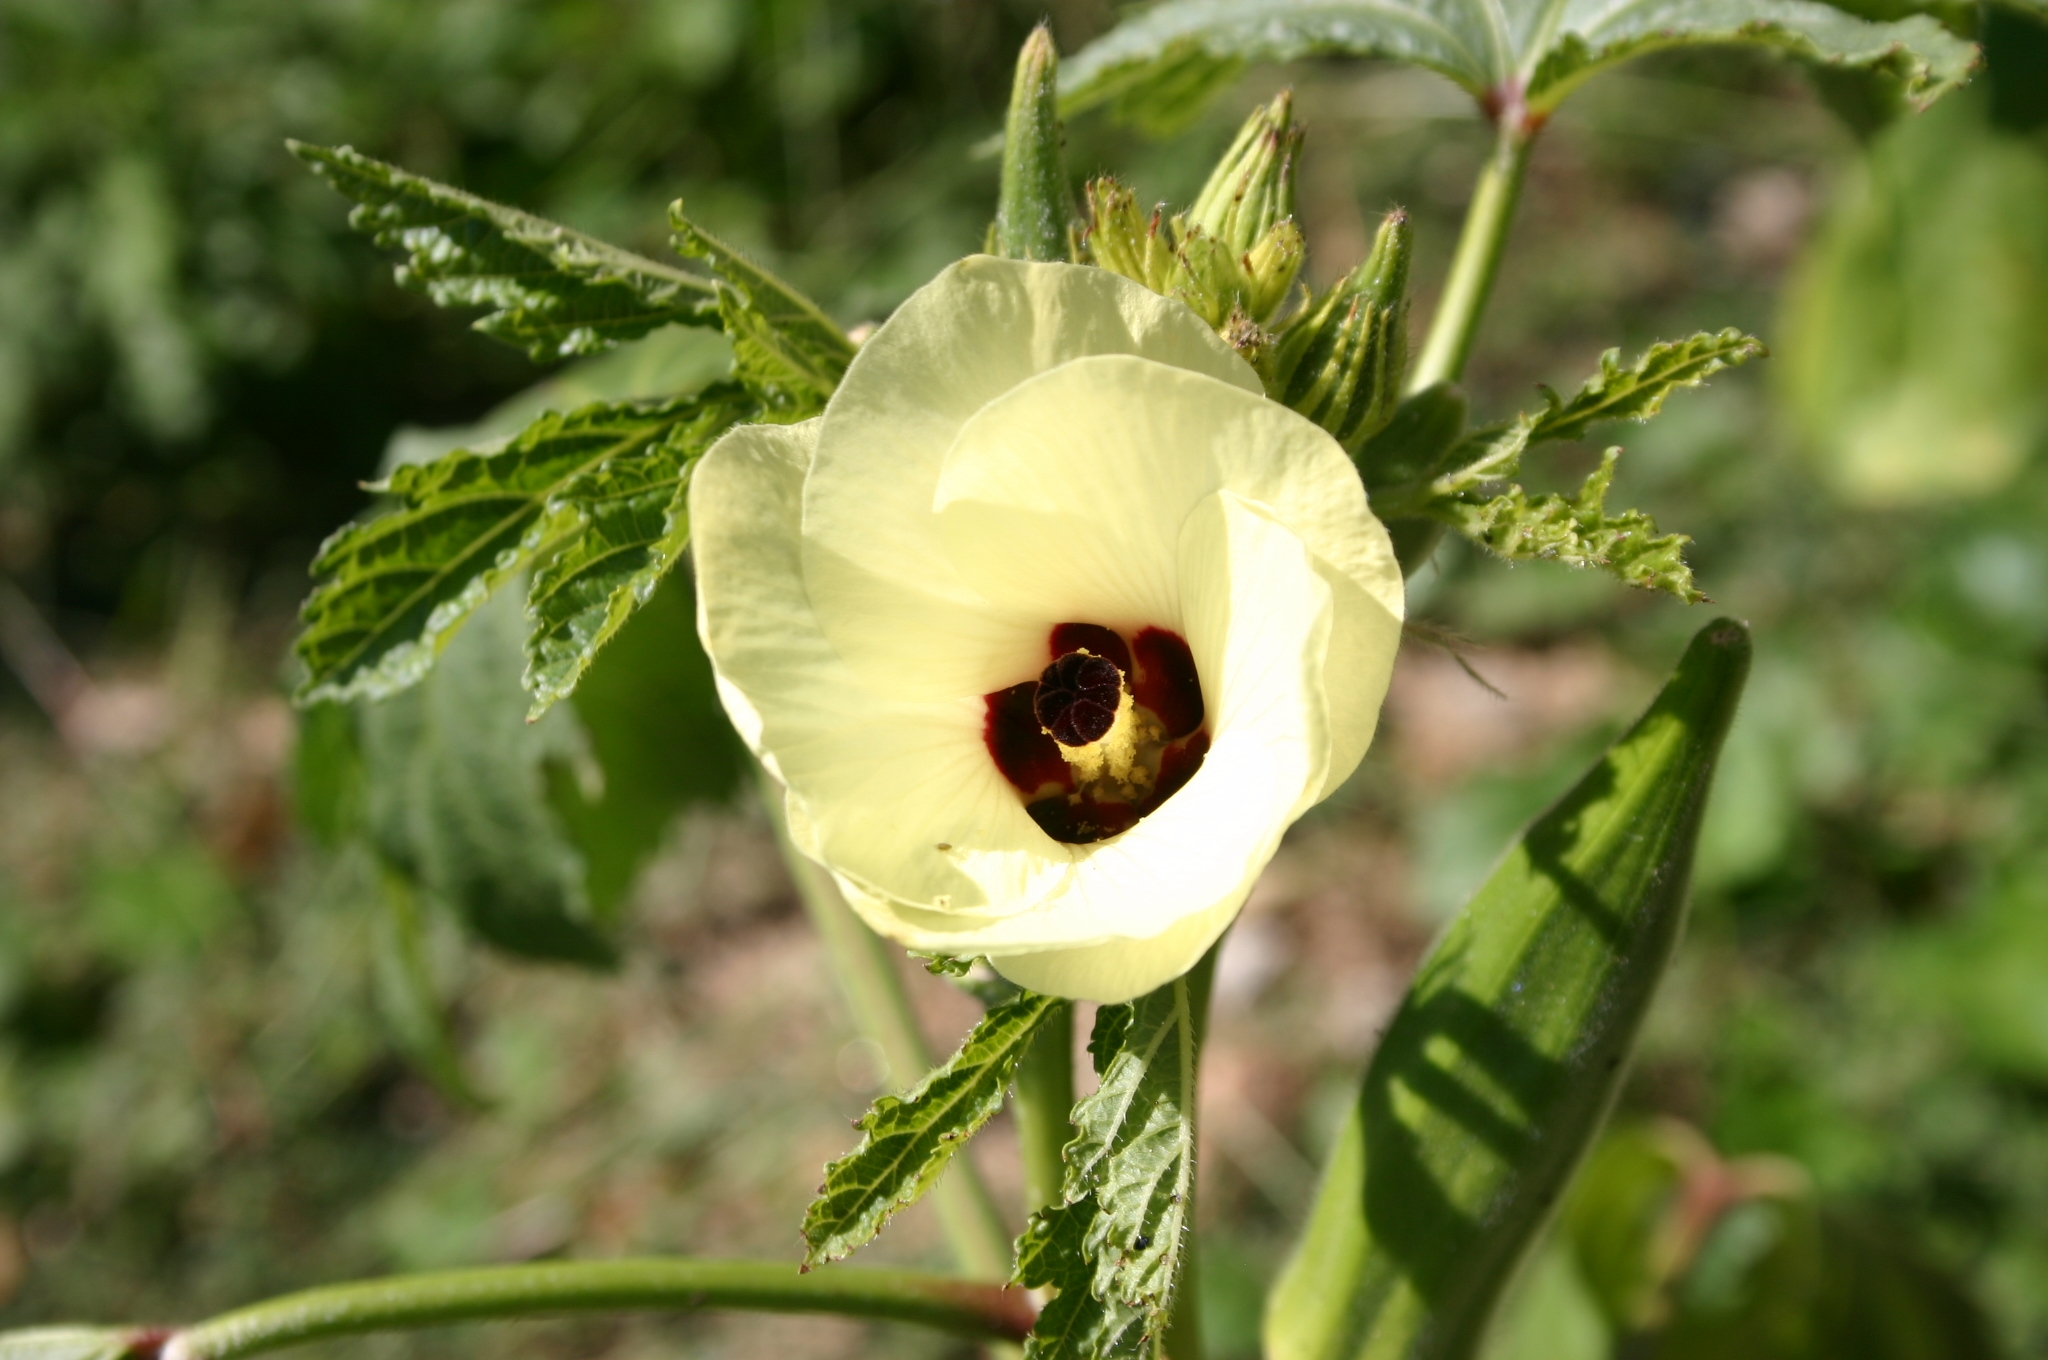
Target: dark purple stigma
1077,698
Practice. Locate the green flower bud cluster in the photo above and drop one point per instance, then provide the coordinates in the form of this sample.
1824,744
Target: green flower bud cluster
1234,255
1234,258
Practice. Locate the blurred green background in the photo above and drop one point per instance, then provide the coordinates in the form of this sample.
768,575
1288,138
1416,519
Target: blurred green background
286,999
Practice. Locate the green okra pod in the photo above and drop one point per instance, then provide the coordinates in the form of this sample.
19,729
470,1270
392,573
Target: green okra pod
1502,1062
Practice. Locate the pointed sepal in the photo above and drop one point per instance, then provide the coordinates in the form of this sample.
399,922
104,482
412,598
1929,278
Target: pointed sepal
1035,205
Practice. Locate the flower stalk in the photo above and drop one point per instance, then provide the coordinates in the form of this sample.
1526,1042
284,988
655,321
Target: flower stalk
1184,1333
1044,1100
1480,246
983,1311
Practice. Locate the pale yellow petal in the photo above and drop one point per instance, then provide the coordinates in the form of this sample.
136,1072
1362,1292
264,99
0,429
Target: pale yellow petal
1121,969
881,782
878,573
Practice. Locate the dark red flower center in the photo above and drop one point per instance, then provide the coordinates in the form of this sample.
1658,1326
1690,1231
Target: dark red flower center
1078,697
1074,703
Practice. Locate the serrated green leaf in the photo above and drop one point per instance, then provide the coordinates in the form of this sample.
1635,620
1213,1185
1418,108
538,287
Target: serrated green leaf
1499,1068
70,1343
654,726
1133,1150
784,347
1485,455
1074,1324
907,1141
1507,53
553,292
456,797
1161,94
619,527
1637,392
1577,531
394,588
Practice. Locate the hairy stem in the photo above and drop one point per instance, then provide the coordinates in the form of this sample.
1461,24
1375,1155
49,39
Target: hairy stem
672,1284
865,967
1044,1103
1184,1332
1480,245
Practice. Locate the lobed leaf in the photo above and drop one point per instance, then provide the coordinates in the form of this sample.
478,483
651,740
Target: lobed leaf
657,734
1503,1060
456,798
1638,391
1074,1324
552,291
391,590
1577,531
1507,53
907,1141
1133,1152
785,349
1491,454
619,526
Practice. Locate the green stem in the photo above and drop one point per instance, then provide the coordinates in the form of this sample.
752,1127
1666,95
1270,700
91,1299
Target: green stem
672,1284
865,967
1480,245
1184,1331
1044,1101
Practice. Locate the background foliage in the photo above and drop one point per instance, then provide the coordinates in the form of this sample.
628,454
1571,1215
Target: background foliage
249,1039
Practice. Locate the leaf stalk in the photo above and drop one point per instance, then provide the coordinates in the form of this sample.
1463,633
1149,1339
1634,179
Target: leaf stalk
666,1284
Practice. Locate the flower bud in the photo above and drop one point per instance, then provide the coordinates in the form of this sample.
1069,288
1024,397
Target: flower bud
1207,278
1252,187
1123,240
1270,268
1341,363
1237,250
1034,205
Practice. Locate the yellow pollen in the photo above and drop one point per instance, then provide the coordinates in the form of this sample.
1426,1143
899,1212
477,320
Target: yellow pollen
1114,758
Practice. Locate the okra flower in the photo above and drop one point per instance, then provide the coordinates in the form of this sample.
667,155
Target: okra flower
1050,625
